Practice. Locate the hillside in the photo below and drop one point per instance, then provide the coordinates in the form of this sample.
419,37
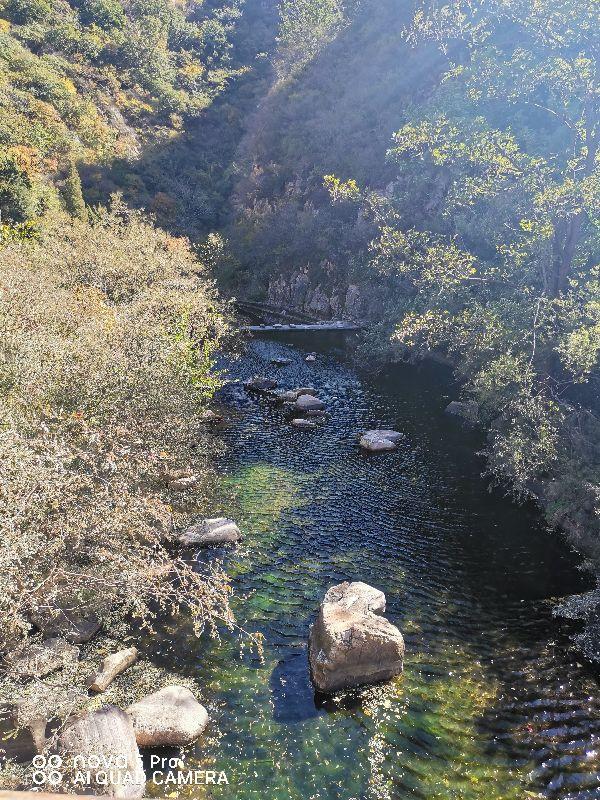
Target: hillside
436,171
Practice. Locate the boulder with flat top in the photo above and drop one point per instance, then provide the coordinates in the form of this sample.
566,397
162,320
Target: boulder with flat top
379,440
307,402
171,717
351,643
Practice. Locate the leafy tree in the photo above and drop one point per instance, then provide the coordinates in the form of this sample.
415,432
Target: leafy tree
74,201
499,236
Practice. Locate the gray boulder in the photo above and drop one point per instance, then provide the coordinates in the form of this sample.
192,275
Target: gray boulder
380,440
170,717
40,659
260,385
106,736
217,530
350,643
307,402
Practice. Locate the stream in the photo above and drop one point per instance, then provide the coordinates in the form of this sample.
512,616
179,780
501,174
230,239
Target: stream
493,703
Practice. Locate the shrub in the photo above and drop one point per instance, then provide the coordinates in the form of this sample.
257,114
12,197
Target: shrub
106,336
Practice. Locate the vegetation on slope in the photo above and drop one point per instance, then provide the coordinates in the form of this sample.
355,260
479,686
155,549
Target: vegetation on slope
86,82
480,224
106,336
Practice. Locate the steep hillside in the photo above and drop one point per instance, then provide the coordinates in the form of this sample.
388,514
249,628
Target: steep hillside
436,171
94,89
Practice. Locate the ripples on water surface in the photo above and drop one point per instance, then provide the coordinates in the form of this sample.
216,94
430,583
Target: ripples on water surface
493,703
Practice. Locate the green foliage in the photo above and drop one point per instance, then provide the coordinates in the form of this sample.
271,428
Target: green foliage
91,81
305,25
507,229
74,201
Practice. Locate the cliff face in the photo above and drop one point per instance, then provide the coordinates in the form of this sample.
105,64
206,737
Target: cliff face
347,301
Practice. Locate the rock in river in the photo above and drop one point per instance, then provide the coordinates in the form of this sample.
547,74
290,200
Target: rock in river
112,667
379,440
307,402
467,411
260,385
170,717
350,642
105,737
304,423
218,530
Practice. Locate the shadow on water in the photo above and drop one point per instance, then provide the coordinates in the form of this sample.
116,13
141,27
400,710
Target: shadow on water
493,703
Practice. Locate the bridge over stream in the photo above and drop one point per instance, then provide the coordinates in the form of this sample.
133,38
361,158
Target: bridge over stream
288,321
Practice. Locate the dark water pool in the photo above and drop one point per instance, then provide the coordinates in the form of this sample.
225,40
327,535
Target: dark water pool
493,703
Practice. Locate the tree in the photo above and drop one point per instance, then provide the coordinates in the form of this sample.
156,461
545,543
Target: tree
494,217
73,194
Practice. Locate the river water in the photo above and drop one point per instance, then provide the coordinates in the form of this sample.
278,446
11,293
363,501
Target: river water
493,703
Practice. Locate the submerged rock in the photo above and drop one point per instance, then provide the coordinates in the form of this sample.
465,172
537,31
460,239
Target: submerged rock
39,660
468,411
281,362
287,397
306,390
380,440
170,717
311,357
304,423
108,736
350,642
260,385
217,530
112,667
307,402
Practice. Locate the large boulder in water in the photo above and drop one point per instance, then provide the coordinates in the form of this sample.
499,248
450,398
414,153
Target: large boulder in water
217,530
350,642
171,717
379,440
105,738
307,402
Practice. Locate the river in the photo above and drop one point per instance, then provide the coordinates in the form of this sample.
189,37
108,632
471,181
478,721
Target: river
493,703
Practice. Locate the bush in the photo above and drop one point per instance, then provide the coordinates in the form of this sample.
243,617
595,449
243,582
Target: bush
106,336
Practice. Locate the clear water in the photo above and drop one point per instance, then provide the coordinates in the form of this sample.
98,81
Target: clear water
493,703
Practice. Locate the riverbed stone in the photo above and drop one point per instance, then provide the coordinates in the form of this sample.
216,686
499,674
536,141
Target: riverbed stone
216,530
107,735
306,390
287,397
40,659
350,643
380,440
307,402
170,717
306,424
260,384
467,411
112,666
311,357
